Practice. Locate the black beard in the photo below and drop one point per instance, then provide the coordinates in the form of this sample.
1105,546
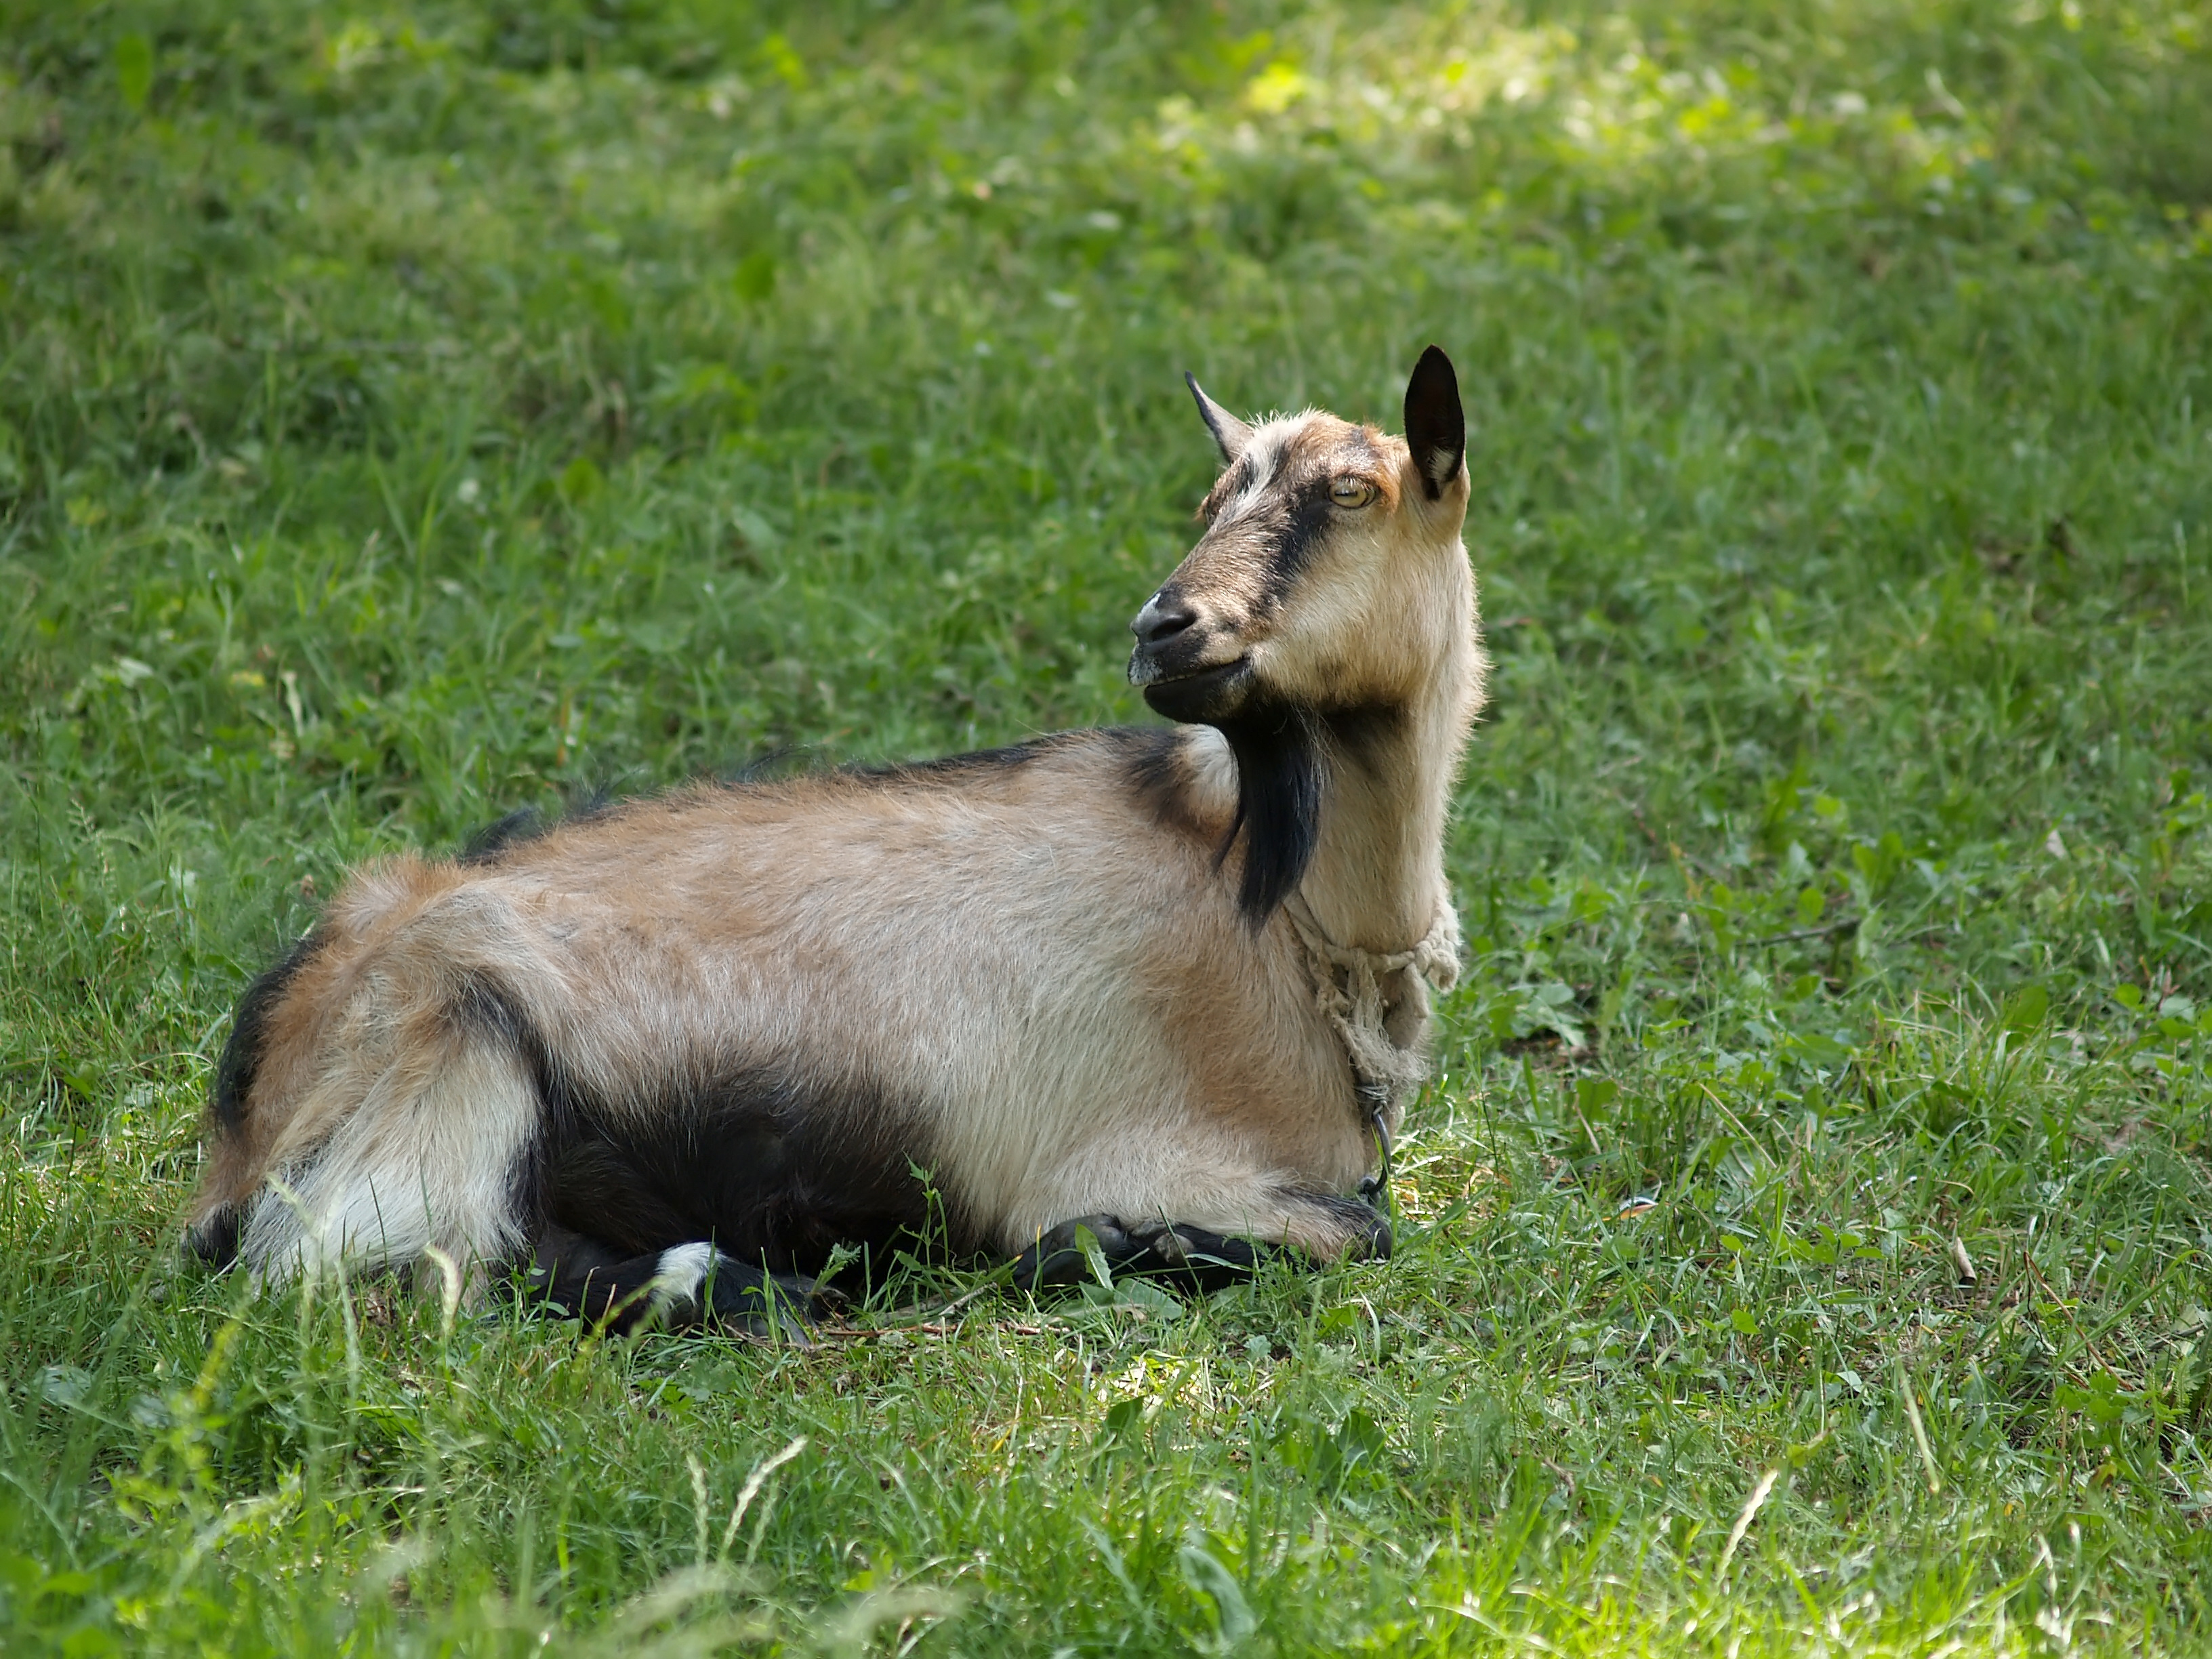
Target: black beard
1278,777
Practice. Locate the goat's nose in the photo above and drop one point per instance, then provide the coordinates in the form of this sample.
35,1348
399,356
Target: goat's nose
1163,617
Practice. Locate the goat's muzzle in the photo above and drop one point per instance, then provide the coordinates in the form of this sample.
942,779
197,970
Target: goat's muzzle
1188,669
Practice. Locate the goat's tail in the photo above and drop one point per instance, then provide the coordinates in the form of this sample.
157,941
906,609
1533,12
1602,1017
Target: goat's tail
358,1107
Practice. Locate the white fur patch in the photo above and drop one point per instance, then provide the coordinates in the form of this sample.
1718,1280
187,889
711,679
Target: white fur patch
423,1160
1213,770
682,1271
1261,459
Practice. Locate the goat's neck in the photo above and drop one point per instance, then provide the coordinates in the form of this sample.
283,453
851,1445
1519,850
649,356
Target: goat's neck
1376,878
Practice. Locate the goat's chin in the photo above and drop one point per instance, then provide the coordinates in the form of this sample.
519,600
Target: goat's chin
1205,697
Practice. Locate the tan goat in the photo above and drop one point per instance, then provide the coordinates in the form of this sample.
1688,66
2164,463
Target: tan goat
1170,982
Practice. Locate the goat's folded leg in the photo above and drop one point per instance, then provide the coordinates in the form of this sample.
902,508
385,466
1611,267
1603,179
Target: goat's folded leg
1197,1258
686,1287
1194,1256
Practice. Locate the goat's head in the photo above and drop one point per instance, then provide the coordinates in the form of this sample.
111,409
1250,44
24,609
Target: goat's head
1317,584
1329,594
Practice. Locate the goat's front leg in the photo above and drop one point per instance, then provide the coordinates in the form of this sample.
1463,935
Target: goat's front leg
1333,1228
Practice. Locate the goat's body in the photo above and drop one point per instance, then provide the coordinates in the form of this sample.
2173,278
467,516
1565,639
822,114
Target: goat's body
1123,977
747,1013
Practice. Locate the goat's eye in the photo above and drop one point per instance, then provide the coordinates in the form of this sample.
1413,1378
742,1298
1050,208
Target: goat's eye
1352,492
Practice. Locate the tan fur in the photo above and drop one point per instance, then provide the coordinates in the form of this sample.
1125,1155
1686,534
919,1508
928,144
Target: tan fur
1043,962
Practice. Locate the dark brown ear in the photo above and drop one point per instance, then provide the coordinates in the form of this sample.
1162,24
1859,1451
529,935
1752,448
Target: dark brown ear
1229,433
1436,425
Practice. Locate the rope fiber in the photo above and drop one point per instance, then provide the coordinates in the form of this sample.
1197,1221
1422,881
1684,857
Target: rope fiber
1377,1002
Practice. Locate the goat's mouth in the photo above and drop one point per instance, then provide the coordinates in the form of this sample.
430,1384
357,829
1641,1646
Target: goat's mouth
1203,694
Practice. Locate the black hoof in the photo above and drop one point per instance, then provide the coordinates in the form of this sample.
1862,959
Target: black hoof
747,1302
1374,1239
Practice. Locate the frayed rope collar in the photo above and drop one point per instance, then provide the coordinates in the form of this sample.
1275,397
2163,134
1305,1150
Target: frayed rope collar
1376,1002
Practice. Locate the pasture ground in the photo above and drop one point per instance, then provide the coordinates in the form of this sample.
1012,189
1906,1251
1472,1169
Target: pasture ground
410,411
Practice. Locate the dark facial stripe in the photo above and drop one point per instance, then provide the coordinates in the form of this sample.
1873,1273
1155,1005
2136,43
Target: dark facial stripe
1292,513
1296,522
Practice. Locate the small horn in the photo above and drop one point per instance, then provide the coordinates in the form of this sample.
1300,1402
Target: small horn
1229,433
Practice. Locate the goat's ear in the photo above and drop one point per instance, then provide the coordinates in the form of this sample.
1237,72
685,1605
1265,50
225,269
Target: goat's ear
1436,425
1229,433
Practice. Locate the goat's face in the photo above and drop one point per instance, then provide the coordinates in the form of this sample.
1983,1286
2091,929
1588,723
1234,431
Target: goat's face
1326,576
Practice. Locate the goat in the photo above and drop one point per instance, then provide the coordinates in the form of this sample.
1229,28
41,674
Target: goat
1168,984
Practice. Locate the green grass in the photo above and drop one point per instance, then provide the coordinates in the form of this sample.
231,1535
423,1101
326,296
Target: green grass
414,412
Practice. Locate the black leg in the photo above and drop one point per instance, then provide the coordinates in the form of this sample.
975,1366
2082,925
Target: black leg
1198,1260
1055,1258
686,1287
1185,1256
1193,1258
